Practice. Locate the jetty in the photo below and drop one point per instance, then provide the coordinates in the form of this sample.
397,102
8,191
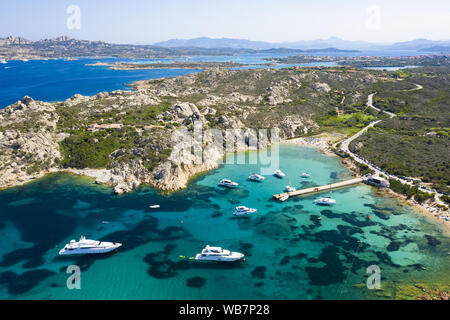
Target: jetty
327,187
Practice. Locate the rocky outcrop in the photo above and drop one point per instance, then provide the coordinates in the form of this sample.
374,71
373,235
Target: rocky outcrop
321,87
31,131
24,155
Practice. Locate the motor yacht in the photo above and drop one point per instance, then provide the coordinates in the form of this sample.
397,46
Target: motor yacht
326,201
244,211
279,174
218,254
305,175
256,177
86,246
228,183
290,189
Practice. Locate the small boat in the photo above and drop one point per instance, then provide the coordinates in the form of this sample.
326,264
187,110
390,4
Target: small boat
218,254
86,246
105,222
155,206
305,175
244,211
279,173
3,62
256,177
290,189
326,201
228,184
283,198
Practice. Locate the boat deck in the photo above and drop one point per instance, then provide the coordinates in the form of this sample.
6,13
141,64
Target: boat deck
327,187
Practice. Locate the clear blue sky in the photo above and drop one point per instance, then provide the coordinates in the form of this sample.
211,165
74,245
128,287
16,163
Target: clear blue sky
134,21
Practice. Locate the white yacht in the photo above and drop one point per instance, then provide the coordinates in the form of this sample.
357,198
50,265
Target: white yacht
256,177
290,189
326,201
3,62
284,198
244,211
155,206
218,254
86,246
228,183
279,173
305,175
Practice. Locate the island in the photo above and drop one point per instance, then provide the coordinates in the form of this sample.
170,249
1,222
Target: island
125,138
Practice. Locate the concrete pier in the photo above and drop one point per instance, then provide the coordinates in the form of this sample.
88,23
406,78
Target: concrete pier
327,187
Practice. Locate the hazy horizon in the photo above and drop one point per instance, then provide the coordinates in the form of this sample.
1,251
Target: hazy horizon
149,22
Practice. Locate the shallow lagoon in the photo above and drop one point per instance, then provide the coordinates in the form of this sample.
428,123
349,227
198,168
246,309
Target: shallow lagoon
290,253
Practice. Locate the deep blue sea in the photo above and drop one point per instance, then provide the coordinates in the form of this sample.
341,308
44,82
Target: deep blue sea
57,80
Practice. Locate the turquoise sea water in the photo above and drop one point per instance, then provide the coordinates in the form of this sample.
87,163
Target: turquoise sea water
290,253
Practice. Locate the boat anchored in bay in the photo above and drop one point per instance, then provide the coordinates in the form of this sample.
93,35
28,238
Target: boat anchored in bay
86,246
325,201
290,189
218,254
256,177
244,211
305,175
278,173
228,184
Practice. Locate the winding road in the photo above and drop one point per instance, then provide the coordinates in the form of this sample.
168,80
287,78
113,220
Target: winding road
346,143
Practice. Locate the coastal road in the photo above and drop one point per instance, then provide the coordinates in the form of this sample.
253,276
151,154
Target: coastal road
345,148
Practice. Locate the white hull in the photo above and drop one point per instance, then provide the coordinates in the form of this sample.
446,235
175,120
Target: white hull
228,184
199,257
325,201
218,254
87,251
247,212
256,178
110,248
279,174
85,246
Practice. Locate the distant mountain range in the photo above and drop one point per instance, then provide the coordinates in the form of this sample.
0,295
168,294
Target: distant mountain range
418,44
16,48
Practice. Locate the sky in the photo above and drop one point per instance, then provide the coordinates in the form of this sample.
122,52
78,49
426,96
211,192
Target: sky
149,21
